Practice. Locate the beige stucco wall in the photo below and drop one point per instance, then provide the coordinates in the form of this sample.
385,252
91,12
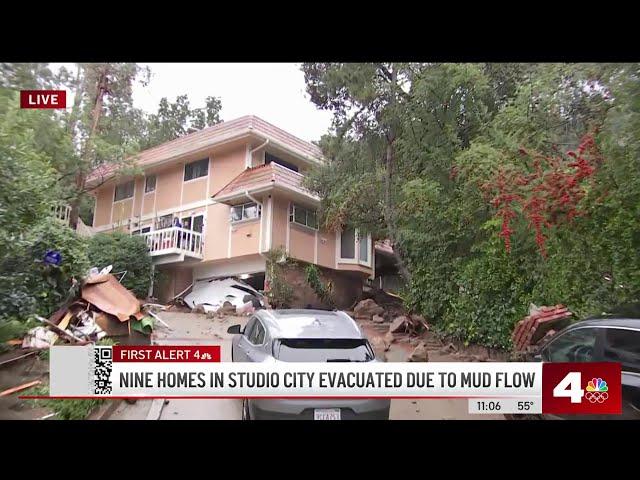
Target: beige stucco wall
245,238
302,243
168,187
137,196
225,164
149,200
326,249
216,239
195,190
104,199
279,219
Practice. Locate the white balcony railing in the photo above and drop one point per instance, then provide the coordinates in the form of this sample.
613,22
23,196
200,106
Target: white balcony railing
62,212
174,240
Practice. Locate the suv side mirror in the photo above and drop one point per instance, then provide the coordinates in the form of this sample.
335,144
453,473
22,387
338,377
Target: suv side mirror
234,329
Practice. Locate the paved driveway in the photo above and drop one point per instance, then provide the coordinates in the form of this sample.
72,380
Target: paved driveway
194,329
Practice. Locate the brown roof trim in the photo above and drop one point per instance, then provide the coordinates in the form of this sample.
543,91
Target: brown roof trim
217,135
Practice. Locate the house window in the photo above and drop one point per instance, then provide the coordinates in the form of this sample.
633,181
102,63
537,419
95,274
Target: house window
348,243
246,211
198,223
123,191
363,249
165,221
268,158
144,230
355,247
303,216
150,184
197,169
193,223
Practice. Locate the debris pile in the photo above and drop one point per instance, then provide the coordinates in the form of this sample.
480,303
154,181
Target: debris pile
541,323
223,297
392,305
418,354
392,311
367,309
103,308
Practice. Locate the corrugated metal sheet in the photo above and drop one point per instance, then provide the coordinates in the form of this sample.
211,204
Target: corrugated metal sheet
110,296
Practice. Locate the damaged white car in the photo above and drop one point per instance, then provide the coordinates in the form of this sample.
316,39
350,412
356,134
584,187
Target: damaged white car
212,294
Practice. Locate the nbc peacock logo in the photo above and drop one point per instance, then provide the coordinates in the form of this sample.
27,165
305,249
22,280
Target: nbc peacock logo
597,391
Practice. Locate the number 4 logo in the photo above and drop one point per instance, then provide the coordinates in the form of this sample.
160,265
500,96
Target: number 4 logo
569,386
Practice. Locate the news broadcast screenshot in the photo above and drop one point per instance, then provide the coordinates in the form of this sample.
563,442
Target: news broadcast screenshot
320,241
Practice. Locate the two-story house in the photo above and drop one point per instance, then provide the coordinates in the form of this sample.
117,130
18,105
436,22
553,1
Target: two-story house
236,191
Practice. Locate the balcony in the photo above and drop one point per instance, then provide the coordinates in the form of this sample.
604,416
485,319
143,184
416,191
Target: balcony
62,212
174,244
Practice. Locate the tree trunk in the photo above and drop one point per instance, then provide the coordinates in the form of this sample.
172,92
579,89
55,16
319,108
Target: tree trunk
389,216
388,198
87,149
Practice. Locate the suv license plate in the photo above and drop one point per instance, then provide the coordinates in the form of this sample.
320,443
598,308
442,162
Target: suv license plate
326,414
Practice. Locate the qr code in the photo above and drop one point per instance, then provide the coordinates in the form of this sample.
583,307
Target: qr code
103,364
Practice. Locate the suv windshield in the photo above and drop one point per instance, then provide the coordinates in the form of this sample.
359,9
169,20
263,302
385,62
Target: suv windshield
322,350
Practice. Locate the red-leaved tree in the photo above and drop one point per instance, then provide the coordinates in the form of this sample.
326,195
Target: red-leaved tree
546,192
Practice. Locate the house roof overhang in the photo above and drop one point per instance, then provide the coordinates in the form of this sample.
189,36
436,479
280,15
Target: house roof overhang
207,139
264,180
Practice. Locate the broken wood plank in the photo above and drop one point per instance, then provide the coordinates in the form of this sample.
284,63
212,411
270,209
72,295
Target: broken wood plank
159,319
64,323
19,388
18,358
58,329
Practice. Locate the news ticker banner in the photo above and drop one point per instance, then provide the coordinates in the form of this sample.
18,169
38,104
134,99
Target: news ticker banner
172,371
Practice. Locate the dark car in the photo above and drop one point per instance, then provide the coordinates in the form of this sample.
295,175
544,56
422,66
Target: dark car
601,340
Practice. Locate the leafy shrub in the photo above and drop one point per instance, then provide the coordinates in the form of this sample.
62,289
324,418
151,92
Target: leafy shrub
124,252
28,285
312,275
279,293
66,409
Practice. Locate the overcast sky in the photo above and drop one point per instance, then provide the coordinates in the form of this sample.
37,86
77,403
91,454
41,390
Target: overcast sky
273,91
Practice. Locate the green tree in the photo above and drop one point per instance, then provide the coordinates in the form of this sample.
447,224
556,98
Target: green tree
176,119
366,100
126,253
454,129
